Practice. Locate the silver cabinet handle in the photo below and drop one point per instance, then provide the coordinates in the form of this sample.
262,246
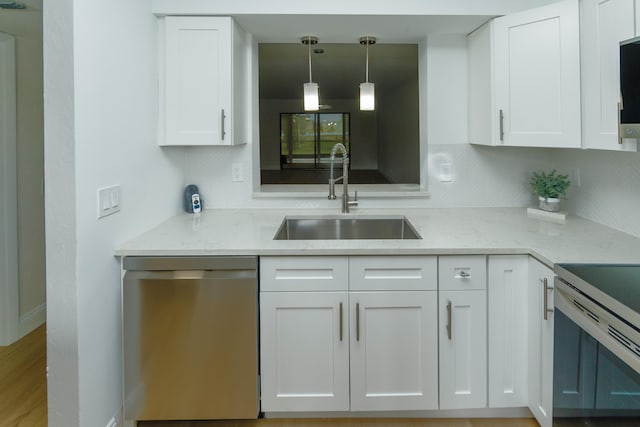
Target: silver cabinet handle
449,320
620,136
501,125
546,288
340,316
222,117
464,274
357,321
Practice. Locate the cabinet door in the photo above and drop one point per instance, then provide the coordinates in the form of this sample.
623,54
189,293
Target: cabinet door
304,351
463,349
540,343
604,23
196,81
507,295
394,359
537,76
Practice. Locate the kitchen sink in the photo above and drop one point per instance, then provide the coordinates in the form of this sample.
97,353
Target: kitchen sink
345,227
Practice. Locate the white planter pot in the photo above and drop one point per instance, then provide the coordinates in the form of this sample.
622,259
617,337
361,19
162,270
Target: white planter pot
549,204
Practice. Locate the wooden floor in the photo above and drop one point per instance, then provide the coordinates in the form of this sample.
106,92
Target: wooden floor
354,422
23,383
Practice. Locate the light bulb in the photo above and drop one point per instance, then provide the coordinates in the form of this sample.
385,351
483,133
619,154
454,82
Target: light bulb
311,101
367,96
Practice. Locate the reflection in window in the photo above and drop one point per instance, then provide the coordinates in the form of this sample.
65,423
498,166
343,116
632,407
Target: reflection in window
306,139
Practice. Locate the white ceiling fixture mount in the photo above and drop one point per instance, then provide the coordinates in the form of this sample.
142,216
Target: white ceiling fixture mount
311,97
367,89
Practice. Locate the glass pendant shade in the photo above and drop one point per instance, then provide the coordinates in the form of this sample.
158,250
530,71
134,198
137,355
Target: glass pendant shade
311,102
367,96
367,89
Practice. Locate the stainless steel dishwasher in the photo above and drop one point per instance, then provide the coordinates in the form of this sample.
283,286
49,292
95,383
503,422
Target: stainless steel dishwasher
190,338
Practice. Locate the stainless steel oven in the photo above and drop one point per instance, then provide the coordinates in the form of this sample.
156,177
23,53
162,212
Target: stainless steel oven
596,367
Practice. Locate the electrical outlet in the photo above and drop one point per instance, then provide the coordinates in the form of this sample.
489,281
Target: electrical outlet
109,200
446,172
237,172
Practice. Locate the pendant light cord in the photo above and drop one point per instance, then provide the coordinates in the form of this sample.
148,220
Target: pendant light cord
366,78
309,44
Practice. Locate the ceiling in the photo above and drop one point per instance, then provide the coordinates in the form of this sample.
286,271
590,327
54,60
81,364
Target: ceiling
348,28
338,71
283,59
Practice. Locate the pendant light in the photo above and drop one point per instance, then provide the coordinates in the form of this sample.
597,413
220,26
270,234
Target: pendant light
311,99
367,89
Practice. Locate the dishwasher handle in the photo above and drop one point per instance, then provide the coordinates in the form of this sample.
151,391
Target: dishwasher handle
172,263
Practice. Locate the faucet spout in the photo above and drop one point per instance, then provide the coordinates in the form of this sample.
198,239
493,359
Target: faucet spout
346,203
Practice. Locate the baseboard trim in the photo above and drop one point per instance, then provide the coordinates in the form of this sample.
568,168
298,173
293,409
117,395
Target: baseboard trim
117,420
31,320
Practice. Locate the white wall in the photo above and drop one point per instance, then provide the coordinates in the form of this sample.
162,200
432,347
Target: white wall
399,133
31,257
482,176
100,63
9,290
607,191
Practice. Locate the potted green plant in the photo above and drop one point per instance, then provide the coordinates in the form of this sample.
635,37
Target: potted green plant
550,188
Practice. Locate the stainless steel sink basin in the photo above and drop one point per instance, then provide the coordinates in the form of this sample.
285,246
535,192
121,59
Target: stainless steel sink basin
345,227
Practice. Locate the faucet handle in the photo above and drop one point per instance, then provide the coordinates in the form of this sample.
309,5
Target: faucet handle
354,202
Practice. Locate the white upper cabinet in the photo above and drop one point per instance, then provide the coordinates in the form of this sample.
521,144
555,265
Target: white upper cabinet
604,24
203,81
524,79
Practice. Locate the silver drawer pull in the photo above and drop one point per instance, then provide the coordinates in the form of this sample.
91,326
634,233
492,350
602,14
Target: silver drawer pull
340,322
464,274
222,117
357,321
449,320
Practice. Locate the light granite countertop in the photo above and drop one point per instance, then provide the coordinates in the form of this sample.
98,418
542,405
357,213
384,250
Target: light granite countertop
443,231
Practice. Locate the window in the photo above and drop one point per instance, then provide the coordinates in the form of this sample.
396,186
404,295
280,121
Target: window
306,139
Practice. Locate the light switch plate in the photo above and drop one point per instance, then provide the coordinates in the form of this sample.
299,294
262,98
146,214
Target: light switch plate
109,200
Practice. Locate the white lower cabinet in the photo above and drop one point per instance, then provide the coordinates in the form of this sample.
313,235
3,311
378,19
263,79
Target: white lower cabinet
463,349
507,302
540,333
462,311
406,333
326,349
304,349
394,357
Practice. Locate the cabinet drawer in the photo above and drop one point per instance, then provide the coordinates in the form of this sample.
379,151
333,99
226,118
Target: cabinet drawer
462,272
305,273
402,273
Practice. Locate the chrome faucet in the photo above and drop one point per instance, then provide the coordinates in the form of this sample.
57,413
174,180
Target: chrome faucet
346,203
